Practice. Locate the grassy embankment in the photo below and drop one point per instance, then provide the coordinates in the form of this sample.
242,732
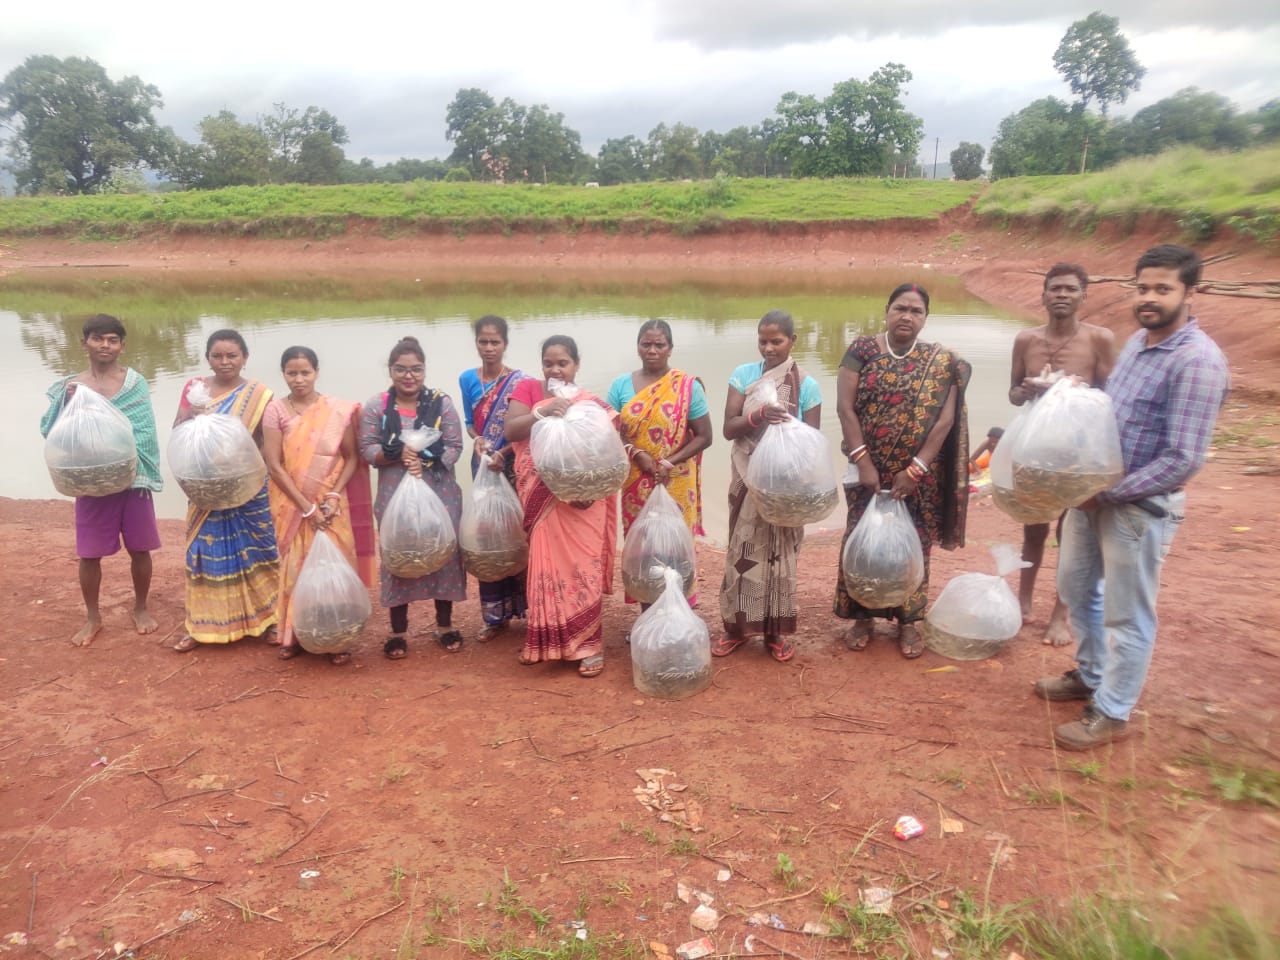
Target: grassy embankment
1201,191
297,210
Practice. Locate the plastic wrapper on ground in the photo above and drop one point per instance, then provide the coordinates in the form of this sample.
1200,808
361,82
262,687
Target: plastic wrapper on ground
330,604
90,450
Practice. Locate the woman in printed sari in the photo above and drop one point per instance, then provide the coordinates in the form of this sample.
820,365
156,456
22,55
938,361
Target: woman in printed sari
409,404
318,482
571,545
758,593
486,394
666,425
233,578
904,426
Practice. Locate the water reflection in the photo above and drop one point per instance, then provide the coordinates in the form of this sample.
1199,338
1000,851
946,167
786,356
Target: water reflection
352,322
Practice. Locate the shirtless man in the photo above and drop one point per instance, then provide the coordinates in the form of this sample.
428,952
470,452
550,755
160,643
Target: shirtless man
102,522
1080,349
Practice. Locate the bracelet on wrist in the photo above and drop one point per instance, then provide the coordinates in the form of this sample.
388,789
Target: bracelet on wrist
333,496
538,414
924,467
857,453
310,512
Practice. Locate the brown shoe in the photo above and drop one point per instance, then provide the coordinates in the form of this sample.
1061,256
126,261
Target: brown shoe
1094,729
1069,686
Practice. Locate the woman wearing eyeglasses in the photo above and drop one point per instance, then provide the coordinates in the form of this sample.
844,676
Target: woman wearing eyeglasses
409,404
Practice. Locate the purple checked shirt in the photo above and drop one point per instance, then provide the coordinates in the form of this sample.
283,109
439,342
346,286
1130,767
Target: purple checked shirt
1166,400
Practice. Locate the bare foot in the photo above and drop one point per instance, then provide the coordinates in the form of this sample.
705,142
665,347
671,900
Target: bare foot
1058,633
84,636
1026,610
144,621
857,635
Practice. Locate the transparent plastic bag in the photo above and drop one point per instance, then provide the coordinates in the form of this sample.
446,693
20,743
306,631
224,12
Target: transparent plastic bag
419,438
670,646
883,561
90,450
659,538
1068,449
215,461
579,456
976,613
491,536
330,604
416,534
1003,494
790,473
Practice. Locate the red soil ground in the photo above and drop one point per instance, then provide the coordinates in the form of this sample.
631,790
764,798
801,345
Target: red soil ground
421,789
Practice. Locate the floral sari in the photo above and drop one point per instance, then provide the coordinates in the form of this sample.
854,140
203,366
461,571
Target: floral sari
898,401
312,453
232,562
571,555
656,420
501,600
758,593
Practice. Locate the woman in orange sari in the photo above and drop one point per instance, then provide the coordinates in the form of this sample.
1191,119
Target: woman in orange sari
571,545
665,419
318,482
232,578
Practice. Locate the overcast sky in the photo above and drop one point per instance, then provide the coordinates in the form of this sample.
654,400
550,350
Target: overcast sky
616,68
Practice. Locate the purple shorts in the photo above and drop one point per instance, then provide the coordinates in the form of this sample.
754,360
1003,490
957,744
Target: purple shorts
102,521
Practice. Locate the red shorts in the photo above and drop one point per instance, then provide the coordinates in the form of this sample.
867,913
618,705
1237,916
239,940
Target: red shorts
101,522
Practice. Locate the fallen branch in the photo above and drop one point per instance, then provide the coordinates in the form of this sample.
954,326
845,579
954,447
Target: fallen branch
202,793
364,923
175,876
303,953
149,940
31,912
280,773
170,766
778,949
641,743
321,856
947,805
249,695
794,896
593,860
306,833
432,693
245,908
554,693
634,716
174,673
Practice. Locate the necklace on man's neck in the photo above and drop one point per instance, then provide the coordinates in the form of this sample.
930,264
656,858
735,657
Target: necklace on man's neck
1055,351
898,356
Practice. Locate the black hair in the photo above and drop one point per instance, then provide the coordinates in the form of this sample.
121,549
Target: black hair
232,335
1170,255
299,353
406,345
102,324
1065,270
902,288
780,319
560,340
661,326
492,320
995,433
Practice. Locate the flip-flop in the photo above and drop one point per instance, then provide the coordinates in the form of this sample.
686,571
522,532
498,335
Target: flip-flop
912,645
186,644
395,648
726,645
289,652
591,666
781,649
491,630
450,639
340,659
857,636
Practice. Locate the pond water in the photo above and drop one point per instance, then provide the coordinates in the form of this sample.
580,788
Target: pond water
352,324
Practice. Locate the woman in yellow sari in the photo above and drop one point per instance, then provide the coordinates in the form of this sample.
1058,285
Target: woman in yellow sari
666,425
232,577
318,482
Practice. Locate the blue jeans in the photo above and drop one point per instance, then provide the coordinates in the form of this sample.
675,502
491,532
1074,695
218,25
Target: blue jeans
1123,546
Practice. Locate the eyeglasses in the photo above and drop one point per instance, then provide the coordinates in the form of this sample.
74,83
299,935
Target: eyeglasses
408,371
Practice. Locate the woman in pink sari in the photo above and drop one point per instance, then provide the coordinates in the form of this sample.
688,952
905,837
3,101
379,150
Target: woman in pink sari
318,482
571,545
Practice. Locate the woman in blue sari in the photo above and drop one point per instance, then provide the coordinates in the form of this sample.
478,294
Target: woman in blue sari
486,391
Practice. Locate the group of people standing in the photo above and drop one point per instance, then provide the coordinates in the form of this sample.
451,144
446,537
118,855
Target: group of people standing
901,406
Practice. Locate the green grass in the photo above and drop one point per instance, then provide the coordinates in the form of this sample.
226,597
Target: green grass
304,211
1200,190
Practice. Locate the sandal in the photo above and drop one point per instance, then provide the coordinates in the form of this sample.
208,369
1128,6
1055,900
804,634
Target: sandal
186,644
340,659
857,636
527,659
726,645
910,643
450,639
781,648
491,630
289,652
591,666
395,648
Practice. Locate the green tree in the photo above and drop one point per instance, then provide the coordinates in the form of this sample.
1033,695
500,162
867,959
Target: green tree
673,152
474,124
1046,136
537,144
966,161
74,127
1190,116
1265,121
230,154
1095,58
622,160
305,146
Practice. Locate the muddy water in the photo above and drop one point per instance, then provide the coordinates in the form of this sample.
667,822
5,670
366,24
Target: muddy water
353,324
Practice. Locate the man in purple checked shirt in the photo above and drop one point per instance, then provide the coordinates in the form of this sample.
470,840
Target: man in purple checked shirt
1167,388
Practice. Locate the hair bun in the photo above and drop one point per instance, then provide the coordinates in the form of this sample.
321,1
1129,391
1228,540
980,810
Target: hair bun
413,340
